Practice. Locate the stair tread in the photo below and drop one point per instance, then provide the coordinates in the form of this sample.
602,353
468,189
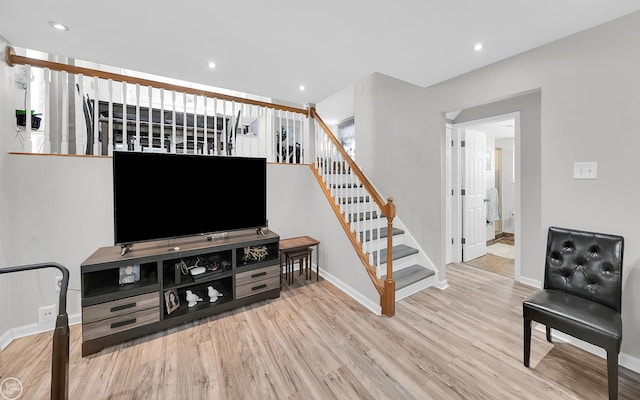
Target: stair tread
399,251
409,275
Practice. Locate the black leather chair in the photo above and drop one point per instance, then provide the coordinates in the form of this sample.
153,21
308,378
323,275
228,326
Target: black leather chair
582,293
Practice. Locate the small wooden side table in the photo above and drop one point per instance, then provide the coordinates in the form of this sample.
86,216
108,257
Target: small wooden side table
296,244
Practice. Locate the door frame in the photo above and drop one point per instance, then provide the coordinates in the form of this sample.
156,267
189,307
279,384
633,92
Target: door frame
454,217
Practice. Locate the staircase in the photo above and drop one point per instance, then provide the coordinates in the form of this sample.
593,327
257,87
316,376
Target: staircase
410,270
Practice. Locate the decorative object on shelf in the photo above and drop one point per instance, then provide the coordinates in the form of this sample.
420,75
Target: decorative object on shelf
172,300
192,298
129,274
255,253
21,119
213,294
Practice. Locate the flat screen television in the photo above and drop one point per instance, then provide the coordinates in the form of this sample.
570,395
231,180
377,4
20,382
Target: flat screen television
159,196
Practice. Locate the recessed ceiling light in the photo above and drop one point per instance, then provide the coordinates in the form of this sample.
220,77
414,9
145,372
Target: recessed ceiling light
478,46
212,65
58,25
302,88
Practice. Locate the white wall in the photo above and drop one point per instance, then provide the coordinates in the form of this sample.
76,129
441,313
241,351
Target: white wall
588,85
7,127
400,154
61,210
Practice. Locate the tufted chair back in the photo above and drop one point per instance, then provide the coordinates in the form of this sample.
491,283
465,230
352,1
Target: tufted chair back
585,264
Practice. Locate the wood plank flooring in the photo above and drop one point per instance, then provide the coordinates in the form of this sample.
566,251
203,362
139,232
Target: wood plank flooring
494,263
315,342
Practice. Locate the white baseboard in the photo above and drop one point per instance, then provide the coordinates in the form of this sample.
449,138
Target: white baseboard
33,329
528,281
373,307
625,360
443,284
5,339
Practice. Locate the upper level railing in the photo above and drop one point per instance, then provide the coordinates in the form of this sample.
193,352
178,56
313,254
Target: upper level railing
93,112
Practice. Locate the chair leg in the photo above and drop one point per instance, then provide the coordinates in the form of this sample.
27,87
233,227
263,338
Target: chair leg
612,374
549,334
527,341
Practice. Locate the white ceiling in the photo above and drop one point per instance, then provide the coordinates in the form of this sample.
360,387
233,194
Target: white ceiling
270,48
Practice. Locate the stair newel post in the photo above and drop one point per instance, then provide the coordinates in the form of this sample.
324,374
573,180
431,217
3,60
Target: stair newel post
389,298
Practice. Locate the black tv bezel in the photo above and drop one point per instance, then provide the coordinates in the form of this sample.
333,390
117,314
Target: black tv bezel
203,233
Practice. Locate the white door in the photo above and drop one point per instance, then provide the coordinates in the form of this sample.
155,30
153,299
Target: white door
474,217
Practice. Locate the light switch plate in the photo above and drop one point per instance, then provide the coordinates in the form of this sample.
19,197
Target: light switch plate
585,170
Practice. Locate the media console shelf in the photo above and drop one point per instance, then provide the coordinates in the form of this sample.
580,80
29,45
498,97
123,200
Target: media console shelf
242,266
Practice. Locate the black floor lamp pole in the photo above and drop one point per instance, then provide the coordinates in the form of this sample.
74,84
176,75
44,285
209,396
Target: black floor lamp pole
60,356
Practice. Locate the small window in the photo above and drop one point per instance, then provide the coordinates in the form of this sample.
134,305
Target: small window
347,136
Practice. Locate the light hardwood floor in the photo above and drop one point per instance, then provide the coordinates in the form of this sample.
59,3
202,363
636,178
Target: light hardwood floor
314,342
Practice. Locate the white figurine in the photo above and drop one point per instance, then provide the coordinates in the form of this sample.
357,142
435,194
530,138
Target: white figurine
213,294
192,298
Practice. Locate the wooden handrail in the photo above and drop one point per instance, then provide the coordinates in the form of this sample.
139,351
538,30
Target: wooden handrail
13,59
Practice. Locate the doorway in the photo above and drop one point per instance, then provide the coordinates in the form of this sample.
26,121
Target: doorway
498,184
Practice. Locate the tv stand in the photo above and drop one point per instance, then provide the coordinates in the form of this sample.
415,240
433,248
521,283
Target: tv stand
113,313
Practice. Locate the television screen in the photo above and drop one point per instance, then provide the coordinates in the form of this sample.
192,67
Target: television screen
159,195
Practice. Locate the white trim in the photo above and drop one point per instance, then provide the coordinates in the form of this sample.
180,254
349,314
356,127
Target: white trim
371,306
422,255
33,329
528,281
625,360
443,284
5,339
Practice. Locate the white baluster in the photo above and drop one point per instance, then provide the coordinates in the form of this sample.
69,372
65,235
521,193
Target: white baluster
125,140
195,125
205,146
232,143
184,124
64,145
27,145
173,122
216,142
162,146
301,137
96,117
46,143
81,140
150,117
137,146
225,117
111,138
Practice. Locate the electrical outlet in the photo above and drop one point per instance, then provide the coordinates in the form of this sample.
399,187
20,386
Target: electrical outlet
58,283
47,314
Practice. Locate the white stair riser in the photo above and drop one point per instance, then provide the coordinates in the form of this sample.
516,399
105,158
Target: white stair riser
382,242
398,264
415,287
359,208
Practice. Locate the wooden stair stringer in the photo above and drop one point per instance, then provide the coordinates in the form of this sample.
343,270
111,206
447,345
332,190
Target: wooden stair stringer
364,257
